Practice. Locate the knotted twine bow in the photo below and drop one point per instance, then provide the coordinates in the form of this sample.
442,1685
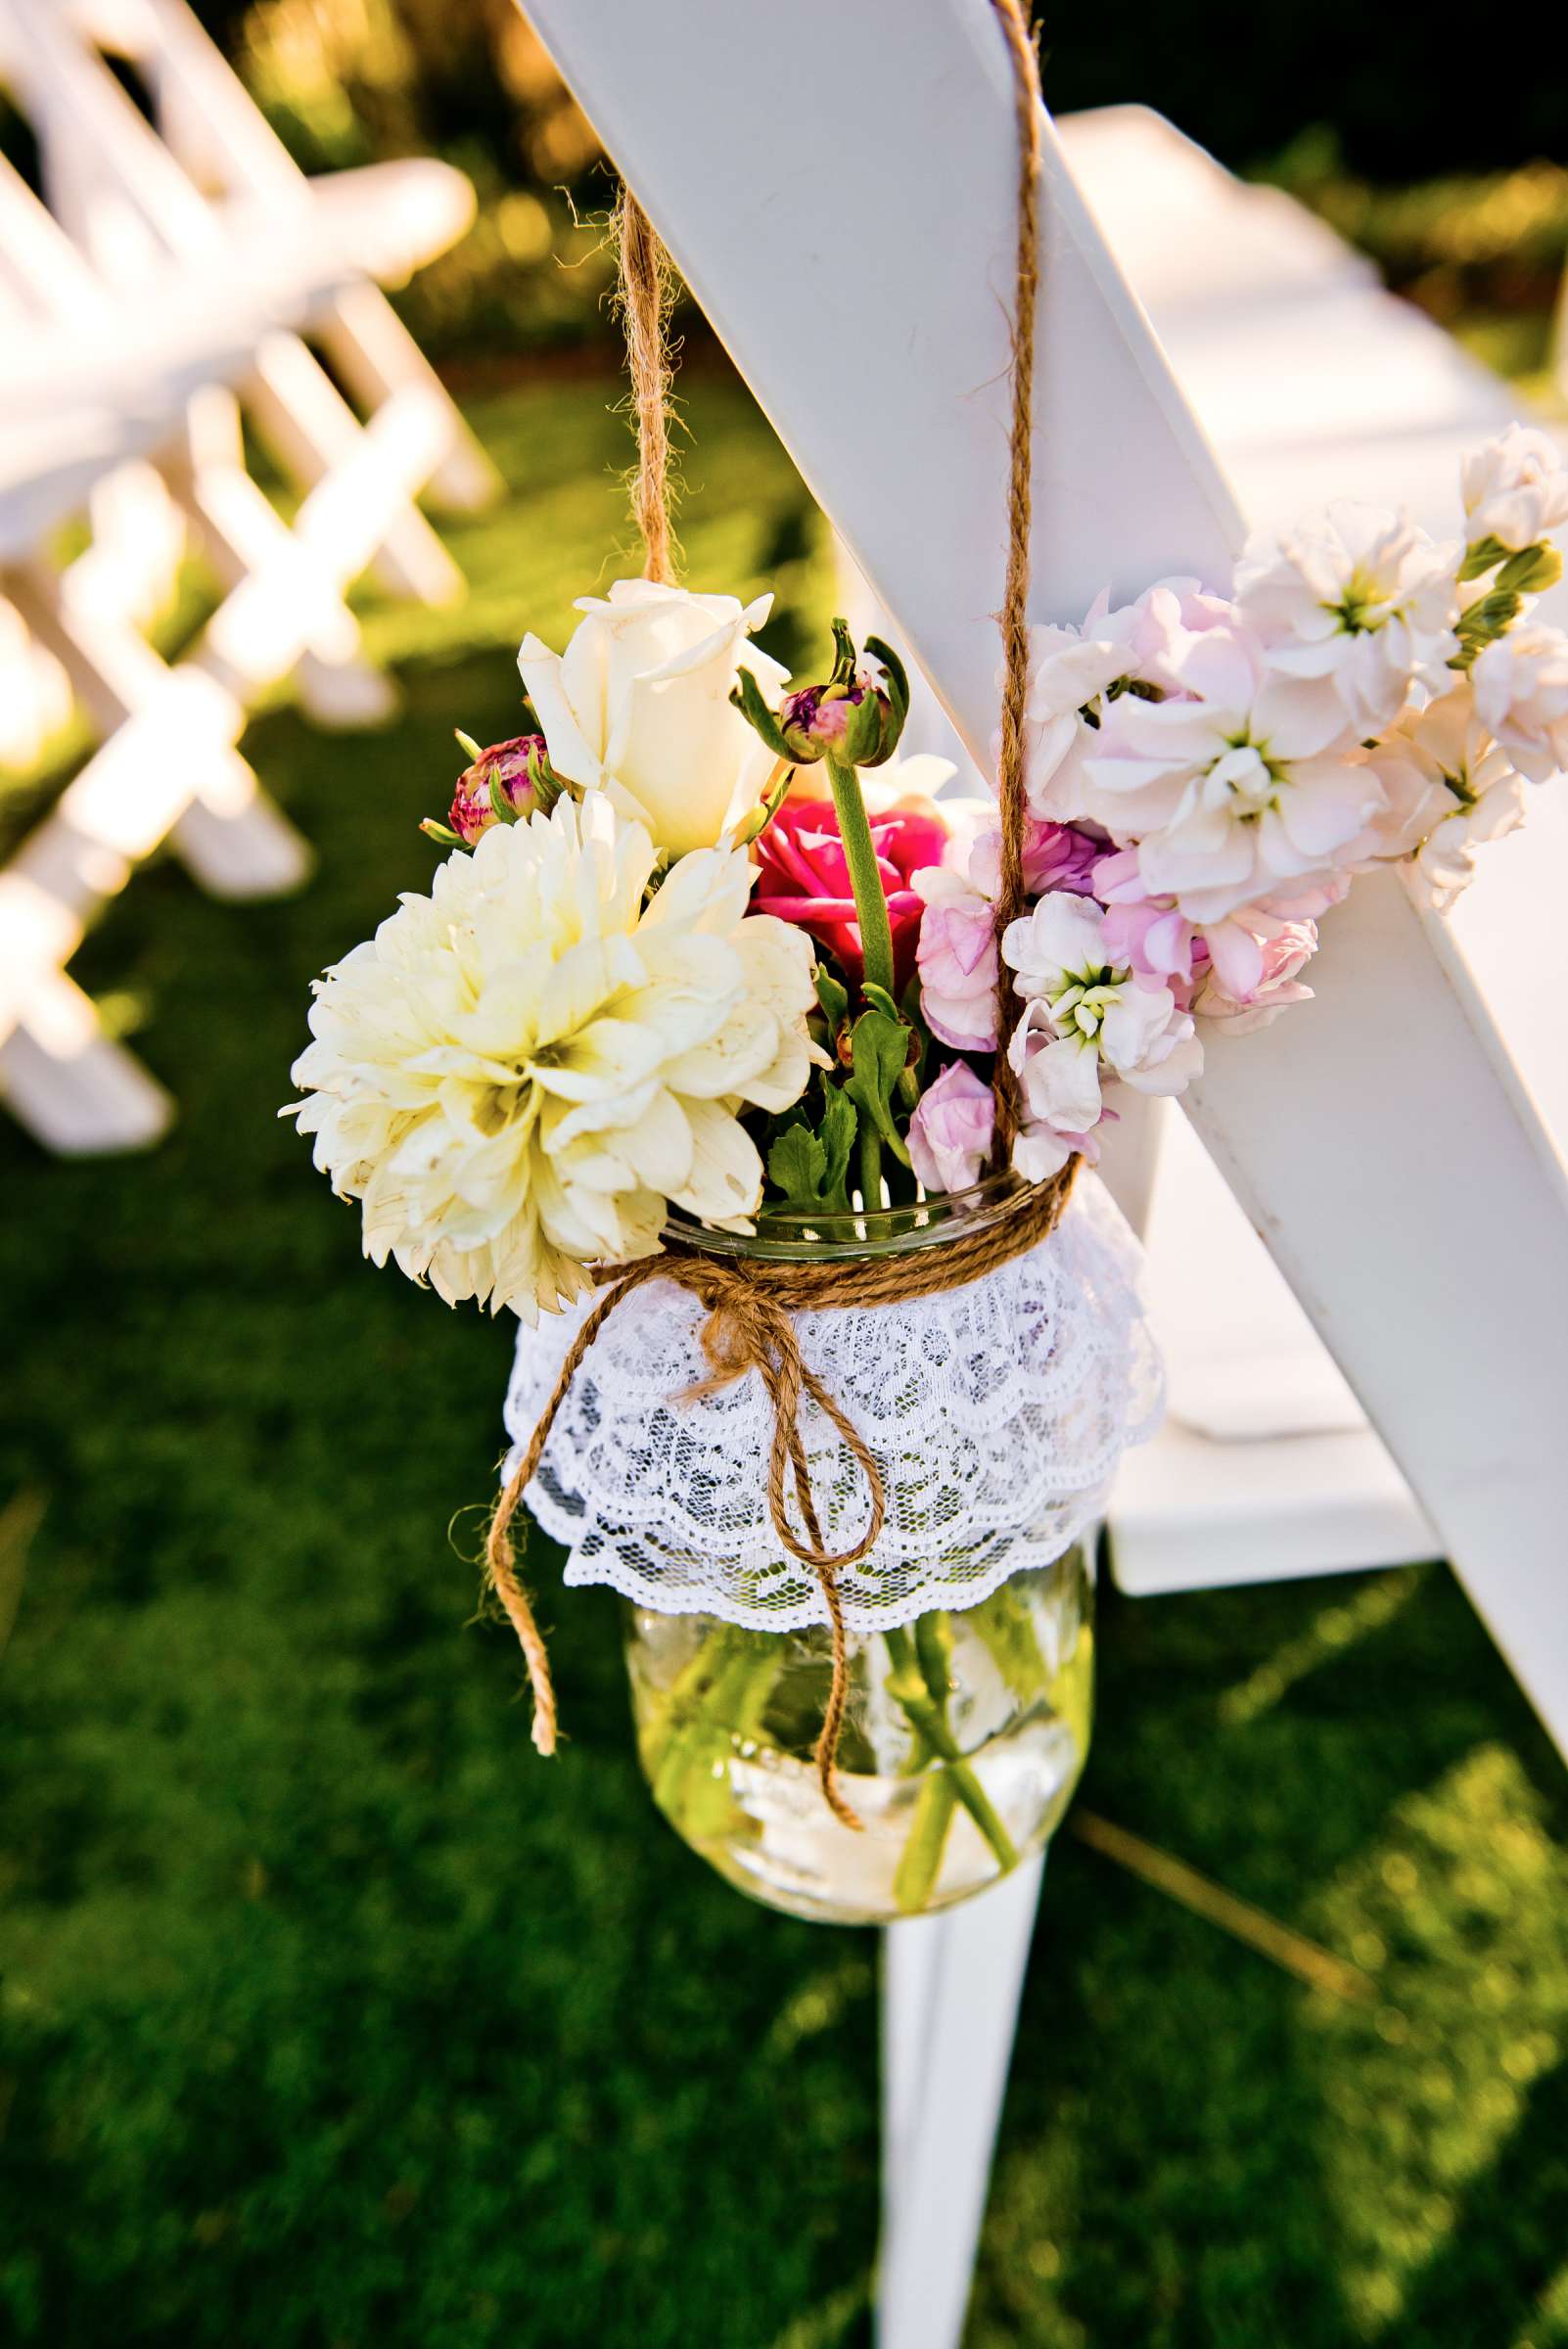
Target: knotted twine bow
752,1303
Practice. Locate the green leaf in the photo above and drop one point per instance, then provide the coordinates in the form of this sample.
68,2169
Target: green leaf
897,679
846,661
442,833
797,1165
838,1131
863,737
465,741
879,1047
746,698
833,997
500,804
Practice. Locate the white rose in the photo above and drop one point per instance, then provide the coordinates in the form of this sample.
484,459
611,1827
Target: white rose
638,704
1521,698
1515,490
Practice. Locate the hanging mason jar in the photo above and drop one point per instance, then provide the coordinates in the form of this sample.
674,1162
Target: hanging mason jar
994,1410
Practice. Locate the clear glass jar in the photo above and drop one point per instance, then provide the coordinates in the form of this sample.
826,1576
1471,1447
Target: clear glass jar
966,1732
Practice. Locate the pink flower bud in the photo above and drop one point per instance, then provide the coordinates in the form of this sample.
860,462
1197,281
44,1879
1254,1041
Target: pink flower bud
950,1134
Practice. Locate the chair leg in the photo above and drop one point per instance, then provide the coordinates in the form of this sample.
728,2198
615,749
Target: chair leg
235,842
950,1991
377,356
311,429
243,535
77,1093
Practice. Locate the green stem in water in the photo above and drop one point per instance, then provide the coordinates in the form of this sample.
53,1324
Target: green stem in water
859,855
921,1856
908,1687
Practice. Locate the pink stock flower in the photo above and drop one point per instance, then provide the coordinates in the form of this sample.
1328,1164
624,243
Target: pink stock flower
957,951
956,958
805,875
1073,670
1148,934
1055,857
1239,972
950,1134
1254,961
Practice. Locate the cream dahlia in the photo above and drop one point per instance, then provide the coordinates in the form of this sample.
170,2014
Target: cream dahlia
519,1070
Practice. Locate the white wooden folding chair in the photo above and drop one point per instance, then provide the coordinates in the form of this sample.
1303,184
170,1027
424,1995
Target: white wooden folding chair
133,210
1310,381
1335,1130
169,765
395,215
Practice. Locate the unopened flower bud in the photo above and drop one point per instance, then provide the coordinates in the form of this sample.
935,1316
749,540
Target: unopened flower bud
508,781
855,718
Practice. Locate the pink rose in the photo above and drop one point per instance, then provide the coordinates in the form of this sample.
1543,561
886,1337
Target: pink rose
805,876
950,1134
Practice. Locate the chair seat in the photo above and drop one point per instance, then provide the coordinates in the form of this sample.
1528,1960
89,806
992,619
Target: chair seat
1312,382
382,221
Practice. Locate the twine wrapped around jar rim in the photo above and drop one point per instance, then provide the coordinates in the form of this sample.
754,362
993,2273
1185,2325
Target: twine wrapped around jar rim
751,1301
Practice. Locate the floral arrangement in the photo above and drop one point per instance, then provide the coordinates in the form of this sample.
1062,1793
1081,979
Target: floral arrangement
705,944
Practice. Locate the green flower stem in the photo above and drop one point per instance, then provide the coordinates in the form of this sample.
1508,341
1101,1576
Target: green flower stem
870,1153
688,1694
860,854
921,1856
702,1720
909,1688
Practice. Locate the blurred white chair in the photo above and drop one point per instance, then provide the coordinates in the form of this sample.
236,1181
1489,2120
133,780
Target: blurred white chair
168,765
393,218
1310,381
291,251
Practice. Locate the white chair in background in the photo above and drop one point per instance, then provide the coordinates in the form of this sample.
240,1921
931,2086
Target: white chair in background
299,260
168,765
1334,1130
395,216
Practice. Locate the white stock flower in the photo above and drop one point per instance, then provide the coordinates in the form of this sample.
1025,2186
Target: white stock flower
1359,603
1238,787
518,1071
1071,669
639,705
1447,788
1515,490
1084,1014
1521,697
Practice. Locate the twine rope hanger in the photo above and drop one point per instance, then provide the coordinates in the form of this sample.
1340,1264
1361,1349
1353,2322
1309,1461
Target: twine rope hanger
751,1303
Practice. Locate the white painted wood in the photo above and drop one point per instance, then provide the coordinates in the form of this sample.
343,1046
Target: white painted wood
395,216
1386,1146
132,209
79,1094
950,1990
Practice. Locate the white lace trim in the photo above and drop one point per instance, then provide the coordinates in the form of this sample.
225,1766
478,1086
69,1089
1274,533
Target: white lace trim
996,1414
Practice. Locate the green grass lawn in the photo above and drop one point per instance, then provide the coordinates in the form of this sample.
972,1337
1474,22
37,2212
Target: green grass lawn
330,2015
